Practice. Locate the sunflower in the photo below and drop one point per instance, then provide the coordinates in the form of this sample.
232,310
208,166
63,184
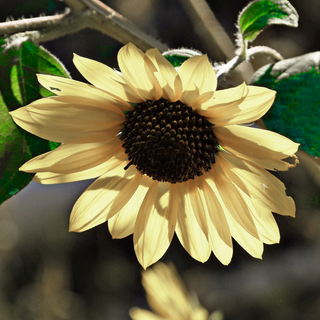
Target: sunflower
171,154
168,297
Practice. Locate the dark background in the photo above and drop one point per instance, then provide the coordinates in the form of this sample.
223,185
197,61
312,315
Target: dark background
48,273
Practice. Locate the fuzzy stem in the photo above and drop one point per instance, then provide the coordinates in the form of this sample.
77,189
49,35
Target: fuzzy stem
115,25
266,51
11,27
246,54
81,14
228,67
76,5
213,34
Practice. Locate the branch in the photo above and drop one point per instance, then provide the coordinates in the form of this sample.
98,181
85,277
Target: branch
211,31
81,14
213,34
11,27
266,51
69,24
246,54
115,25
75,5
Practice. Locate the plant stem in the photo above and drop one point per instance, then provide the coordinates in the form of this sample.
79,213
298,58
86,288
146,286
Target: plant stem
266,51
11,27
209,29
246,54
213,34
80,15
115,25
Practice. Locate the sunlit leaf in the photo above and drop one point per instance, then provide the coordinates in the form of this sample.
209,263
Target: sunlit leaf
296,110
259,14
18,87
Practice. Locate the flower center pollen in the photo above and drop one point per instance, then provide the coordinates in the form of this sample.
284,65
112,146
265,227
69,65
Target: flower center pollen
168,141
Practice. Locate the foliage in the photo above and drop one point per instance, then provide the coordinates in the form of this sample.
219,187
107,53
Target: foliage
296,111
107,277
19,66
259,14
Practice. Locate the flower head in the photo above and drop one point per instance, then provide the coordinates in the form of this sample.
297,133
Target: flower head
168,297
171,154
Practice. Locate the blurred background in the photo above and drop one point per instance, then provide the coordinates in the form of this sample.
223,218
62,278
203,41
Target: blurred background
47,273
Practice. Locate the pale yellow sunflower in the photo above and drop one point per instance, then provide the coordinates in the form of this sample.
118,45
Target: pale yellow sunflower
169,152
168,297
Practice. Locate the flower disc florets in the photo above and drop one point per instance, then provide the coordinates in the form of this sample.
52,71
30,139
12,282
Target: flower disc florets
168,141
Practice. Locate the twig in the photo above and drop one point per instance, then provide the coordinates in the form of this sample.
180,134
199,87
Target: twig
115,25
228,67
80,15
11,27
75,5
213,34
210,30
69,24
246,54
266,51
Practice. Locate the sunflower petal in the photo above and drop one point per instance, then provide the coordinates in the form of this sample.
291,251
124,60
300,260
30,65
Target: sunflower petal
166,293
70,121
258,183
211,219
104,198
264,221
76,113
230,199
197,77
105,78
122,224
243,104
141,314
262,147
249,243
151,70
136,71
201,99
188,230
198,204
167,75
23,119
52,178
155,223
69,158
224,106
68,87
257,102
241,223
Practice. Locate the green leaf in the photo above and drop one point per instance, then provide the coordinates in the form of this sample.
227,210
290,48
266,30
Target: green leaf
18,87
176,61
259,14
177,56
296,110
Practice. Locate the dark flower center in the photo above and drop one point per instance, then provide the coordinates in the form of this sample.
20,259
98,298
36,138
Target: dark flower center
168,141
